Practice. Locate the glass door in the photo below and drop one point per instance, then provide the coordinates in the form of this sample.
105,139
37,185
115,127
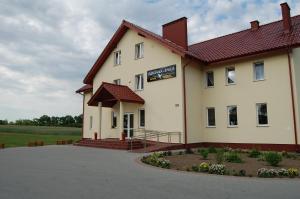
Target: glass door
128,124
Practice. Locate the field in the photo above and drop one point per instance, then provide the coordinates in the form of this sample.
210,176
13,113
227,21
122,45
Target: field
14,136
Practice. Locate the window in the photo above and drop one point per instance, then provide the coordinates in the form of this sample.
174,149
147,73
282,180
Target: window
142,118
232,116
113,119
139,82
209,79
117,81
139,51
230,75
211,120
91,122
117,57
259,73
262,114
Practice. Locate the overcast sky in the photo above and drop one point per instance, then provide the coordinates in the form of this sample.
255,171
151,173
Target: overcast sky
47,46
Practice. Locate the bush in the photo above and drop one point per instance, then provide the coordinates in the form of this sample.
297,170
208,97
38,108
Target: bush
156,159
212,150
204,153
195,168
273,158
288,155
233,157
283,172
267,173
293,172
254,153
242,172
217,169
220,156
204,167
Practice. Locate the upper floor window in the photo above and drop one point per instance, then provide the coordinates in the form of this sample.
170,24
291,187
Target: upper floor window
117,81
142,118
211,120
232,116
139,50
91,122
117,57
230,75
259,73
139,82
262,114
210,79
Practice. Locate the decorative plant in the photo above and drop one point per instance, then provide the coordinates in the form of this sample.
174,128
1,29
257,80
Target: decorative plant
204,167
283,172
220,156
212,150
273,158
267,173
254,153
195,168
204,153
293,172
217,169
232,157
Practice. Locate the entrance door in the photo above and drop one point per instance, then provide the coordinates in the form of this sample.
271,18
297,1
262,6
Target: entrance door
128,124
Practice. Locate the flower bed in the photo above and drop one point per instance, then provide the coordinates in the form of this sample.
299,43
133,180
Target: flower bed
229,162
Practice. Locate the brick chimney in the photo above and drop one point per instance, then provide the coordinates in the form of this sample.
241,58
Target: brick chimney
286,17
176,31
254,25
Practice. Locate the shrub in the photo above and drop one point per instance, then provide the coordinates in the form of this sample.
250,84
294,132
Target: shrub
233,157
217,169
293,172
2,146
254,153
283,172
212,150
220,156
288,155
267,173
204,167
242,172
195,168
273,158
204,153
156,159
163,163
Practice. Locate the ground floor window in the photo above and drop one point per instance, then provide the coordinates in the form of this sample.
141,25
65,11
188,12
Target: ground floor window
141,118
91,122
232,116
262,114
113,119
211,120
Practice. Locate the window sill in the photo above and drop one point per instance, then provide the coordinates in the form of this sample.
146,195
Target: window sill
258,80
141,127
208,87
266,125
136,58
137,90
233,126
230,84
117,65
209,127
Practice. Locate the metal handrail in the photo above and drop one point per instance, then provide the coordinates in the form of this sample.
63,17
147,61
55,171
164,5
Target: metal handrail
150,134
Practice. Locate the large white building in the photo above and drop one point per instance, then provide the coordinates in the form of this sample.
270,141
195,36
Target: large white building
240,90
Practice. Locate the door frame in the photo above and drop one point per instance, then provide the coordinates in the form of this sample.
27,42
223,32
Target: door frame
127,130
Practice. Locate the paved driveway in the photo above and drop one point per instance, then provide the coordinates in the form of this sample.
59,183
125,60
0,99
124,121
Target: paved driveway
69,172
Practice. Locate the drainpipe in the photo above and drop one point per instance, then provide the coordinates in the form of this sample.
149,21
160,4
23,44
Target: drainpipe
184,104
292,95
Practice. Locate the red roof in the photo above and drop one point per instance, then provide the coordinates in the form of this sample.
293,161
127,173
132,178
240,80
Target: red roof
268,37
109,94
85,88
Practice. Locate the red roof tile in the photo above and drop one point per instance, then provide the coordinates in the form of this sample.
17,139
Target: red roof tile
85,88
268,37
109,94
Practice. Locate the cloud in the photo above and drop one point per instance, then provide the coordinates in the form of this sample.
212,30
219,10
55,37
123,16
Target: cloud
47,47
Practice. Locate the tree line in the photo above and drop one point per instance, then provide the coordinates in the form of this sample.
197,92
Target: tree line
45,120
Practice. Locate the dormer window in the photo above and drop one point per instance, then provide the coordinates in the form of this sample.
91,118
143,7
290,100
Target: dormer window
117,58
139,51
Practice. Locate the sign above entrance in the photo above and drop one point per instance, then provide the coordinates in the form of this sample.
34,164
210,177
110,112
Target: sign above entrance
161,73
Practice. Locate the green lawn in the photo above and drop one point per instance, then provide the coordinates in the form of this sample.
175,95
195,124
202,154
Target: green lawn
13,136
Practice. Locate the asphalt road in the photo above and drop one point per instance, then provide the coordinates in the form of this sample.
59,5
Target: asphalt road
70,172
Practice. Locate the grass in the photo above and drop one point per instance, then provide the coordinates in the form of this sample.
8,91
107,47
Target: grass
14,136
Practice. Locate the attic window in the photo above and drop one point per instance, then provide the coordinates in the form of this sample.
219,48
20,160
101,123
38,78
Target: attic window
117,58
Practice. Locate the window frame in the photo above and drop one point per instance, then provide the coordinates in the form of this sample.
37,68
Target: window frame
228,117
117,81
254,71
114,115
257,116
226,75
142,109
206,79
139,50
115,58
136,82
207,118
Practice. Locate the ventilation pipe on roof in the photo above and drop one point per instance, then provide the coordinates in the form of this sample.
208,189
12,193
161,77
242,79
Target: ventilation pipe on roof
286,17
254,25
176,32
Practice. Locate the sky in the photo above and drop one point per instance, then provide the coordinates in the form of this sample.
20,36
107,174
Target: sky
48,46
